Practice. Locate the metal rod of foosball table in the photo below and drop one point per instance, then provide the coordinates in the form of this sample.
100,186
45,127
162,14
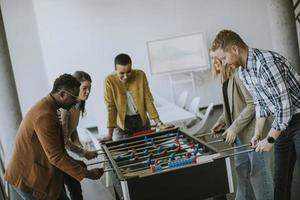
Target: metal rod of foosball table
233,154
163,148
108,169
143,168
99,150
210,133
95,163
156,154
236,147
216,141
161,158
143,157
246,151
151,150
135,142
144,144
203,135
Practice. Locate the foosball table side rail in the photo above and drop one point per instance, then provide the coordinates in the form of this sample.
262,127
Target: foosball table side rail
196,181
192,182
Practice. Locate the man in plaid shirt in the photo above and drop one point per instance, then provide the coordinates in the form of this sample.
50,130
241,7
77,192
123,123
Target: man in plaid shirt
275,87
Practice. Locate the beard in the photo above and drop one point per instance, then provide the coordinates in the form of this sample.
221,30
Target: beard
235,64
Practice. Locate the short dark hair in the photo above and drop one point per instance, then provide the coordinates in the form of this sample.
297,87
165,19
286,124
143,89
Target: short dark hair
66,82
225,38
122,59
82,76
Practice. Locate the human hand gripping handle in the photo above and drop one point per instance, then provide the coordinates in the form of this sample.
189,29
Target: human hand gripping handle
159,124
255,139
263,145
259,124
230,136
108,137
95,174
90,154
260,145
165,126
267,143
217,129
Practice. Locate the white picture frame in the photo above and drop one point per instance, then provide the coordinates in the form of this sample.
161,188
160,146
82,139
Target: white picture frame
178,54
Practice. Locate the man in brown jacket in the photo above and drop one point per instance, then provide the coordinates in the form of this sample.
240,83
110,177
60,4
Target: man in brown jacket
39,159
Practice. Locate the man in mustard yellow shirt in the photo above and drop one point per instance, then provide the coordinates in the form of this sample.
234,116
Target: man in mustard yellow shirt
128,101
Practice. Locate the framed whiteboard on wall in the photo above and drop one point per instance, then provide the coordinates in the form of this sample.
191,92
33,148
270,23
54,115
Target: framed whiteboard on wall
179,53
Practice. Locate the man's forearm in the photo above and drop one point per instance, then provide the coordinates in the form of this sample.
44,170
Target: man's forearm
274,133
260,122
259,125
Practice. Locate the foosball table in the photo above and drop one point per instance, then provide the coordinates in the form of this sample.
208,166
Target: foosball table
167,165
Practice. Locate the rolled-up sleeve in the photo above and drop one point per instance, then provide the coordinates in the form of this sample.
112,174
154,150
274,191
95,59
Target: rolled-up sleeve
260,105
261,110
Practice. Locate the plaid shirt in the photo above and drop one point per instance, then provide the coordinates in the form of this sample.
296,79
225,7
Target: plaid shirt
274,85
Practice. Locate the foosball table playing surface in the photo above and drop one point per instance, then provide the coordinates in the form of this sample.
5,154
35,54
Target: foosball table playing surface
167,165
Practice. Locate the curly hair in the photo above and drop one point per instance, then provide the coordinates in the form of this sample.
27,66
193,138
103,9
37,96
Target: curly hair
66,82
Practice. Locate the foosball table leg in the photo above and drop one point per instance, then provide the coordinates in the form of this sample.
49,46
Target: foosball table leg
108,179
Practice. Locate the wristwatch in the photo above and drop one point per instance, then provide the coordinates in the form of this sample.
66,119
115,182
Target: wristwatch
271,140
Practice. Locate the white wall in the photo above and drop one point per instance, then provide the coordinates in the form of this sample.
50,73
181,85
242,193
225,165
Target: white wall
25,51
296,11
87,34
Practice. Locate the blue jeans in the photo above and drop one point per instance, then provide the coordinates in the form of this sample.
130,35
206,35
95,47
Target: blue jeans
254,176
27,196
287,151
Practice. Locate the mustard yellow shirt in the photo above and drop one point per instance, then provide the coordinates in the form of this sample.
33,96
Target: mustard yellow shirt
116,99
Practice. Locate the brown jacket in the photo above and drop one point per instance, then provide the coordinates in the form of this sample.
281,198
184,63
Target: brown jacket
241,110
39,158
116,99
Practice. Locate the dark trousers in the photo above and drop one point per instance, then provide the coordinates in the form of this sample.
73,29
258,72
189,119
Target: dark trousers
134,124
74,187
287,151
222,197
